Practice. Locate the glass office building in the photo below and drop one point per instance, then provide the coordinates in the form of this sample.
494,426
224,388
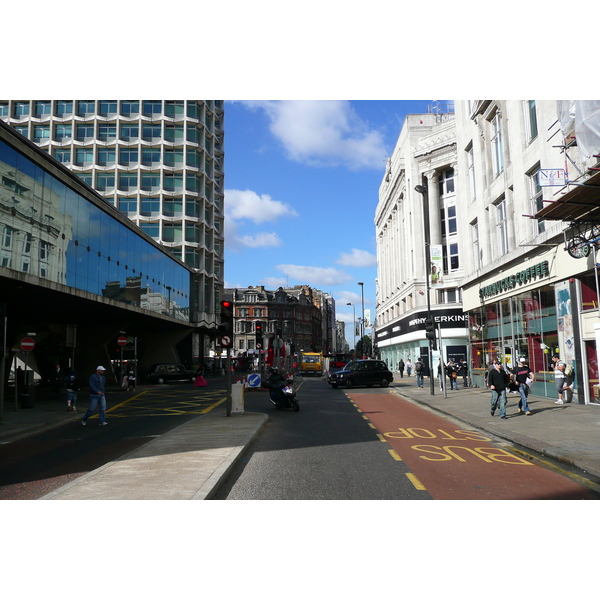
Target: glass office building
50,231
160,162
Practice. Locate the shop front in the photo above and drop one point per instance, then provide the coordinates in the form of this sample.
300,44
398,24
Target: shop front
543,307
405,338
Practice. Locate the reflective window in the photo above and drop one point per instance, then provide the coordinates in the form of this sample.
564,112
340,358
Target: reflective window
64,108
130,108
41,133
43,107
130,131
85,107
128,156
106,156
63,237
152,107
21,109
107,108
107,132
62,154
63,132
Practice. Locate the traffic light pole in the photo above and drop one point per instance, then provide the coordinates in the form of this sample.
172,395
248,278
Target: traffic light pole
229,401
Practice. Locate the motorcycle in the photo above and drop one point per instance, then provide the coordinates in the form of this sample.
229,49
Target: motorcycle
282,395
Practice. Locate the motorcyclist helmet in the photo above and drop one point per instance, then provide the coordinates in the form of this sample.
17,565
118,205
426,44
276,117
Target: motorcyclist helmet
273,370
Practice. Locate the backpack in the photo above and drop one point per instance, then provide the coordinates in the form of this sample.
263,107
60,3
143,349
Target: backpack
569,370
418,367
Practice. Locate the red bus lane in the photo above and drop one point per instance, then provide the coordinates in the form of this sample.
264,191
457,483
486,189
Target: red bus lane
454,463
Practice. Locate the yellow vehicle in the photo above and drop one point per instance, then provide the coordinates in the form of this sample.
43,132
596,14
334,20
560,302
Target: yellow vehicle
311,363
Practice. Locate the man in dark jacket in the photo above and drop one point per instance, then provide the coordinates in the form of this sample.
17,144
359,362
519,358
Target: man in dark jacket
520,375
498,382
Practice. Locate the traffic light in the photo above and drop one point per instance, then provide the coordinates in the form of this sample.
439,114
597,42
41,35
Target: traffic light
226,326
259,335
430,332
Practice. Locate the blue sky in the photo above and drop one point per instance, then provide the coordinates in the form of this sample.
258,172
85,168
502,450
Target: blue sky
301,188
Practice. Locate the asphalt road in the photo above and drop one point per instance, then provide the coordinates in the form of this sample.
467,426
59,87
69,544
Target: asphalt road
368,443
36,465
327,451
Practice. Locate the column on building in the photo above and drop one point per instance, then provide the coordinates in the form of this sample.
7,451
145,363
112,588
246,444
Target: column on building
433,193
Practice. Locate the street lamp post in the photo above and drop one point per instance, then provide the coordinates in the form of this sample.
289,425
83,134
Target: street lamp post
353,324
423,191
362,314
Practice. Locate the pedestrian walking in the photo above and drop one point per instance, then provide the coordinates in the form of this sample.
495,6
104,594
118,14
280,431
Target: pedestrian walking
131,381
452,372
97,396
408,367
463,371
498,381
72,385
419,368
559,378
401,368
521,375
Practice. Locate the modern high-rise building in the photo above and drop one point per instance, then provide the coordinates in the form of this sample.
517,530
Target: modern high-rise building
160,162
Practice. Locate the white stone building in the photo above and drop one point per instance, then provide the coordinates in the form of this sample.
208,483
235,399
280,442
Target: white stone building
524,295
425,155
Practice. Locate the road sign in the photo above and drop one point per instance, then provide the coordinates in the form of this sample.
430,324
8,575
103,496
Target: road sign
27,344
122,341
225,341
253,380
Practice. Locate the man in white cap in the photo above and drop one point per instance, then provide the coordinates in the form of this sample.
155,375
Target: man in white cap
97,396
521,373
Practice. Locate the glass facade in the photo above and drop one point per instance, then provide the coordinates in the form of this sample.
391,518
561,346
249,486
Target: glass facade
50,231
536,325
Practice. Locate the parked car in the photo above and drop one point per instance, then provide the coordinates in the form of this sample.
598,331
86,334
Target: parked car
164,372
362,372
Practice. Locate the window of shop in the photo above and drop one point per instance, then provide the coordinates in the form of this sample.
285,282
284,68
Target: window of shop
522,326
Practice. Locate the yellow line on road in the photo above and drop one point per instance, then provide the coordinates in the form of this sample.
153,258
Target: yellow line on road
213,406
126,401
371,426
415,481
381,437
394,454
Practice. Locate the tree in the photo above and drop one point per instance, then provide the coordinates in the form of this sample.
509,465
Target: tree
366,344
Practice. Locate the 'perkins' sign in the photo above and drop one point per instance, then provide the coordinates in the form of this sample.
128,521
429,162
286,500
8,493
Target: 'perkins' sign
519,278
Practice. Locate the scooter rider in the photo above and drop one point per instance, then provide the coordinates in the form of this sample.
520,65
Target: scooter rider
274,383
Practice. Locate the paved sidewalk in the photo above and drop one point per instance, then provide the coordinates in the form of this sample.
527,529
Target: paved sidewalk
569,433
187,463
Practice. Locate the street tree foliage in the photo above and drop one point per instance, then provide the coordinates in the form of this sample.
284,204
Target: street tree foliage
366,344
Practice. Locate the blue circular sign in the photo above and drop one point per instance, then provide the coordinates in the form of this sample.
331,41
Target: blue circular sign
253,380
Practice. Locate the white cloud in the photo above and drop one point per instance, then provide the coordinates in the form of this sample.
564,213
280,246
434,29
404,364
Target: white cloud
358,258
260,240
317,276
246,204
324,133
272,283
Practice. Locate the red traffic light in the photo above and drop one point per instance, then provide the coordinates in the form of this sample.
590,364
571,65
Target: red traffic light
258,327
226,304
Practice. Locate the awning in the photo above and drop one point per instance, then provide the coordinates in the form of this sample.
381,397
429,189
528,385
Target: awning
581,204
